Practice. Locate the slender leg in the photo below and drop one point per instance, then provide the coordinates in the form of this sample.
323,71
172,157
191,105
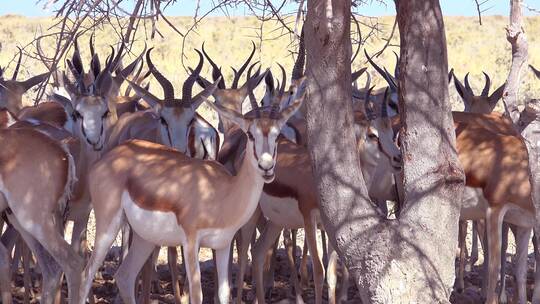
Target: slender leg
485,269
129,269
494,232
222,263
318,272
105,236
331,274
294,274
50,269
474,247
246,233
191,252
304,274
460,284
536,292
26,257
5,280
503,298
265,242
324,248
172,258
126,240
523,236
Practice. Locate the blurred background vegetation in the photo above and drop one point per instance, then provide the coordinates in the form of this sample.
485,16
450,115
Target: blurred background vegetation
471,48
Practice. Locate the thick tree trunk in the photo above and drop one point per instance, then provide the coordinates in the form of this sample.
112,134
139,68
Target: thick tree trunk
520,52
410,259
528,122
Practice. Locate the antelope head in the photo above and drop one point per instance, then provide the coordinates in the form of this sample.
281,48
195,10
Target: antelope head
483,103
262,129
90,105
175,115
375,137
11,90
233,96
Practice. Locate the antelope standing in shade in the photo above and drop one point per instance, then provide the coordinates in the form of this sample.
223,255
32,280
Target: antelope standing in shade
171,199
291,201
474,201
36,207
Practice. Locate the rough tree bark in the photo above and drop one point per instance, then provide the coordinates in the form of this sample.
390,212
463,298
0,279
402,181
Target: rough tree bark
528,122
520,52
411,259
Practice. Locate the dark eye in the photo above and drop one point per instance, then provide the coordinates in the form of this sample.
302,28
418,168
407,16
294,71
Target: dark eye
76,115
250,136
163,121
106,114
372,136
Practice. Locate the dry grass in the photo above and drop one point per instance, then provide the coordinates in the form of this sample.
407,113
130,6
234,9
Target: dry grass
471,47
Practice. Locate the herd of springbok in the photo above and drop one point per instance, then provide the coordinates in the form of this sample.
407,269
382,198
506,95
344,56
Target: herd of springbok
157,170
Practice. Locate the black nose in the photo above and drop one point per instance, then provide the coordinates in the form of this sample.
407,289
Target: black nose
397,159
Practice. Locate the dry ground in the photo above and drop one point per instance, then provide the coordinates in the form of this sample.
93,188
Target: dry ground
106,292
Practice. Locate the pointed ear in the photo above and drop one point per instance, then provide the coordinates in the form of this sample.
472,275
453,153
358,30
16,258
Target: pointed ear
65,102
230,115
202,96
290,110
27,84
152,100
495,96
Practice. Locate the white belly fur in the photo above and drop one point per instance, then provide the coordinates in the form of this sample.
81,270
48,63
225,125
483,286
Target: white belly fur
158,227
162,229
283,212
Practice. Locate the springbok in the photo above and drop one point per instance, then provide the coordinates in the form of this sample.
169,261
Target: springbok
172,122
171,199
474,201
37,211
11,90
92,114
291,200
502,173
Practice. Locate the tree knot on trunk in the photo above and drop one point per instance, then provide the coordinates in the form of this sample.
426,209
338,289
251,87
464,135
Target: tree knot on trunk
451,173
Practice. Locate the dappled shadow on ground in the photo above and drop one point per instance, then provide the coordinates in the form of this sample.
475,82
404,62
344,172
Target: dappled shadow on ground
105,288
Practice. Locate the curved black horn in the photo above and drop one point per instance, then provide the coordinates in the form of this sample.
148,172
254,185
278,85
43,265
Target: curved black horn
16,72
467,85
485,91
168,90
396,68
76,59
91,45
284,82
190,81
369,106
253,103
384,106
298,69
216,71
238,74
381,71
